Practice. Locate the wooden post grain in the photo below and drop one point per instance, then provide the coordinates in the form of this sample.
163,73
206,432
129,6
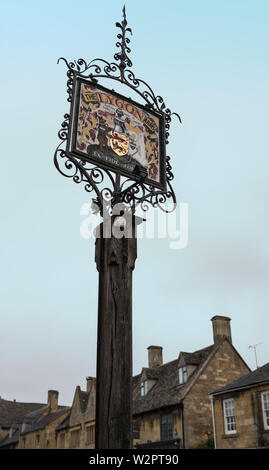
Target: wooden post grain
115,260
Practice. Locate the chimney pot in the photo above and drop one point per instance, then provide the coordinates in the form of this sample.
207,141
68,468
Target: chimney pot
221,328
155,356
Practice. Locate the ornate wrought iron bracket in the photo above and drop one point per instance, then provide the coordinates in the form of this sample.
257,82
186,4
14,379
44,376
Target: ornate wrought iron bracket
107,185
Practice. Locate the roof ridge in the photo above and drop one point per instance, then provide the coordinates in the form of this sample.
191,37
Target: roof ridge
21,402
203,349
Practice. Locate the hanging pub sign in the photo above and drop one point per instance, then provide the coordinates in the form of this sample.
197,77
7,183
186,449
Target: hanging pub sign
118,134
113,145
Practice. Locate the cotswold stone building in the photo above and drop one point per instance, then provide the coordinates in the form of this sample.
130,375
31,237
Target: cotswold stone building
37,427
78,429
171,403
241,412
12,414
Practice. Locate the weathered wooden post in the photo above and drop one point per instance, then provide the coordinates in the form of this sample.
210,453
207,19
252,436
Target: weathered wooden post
115,260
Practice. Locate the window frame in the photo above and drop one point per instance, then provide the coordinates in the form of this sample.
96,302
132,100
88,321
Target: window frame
136,432
166,427
75,438
90,434
225,416
182,375
143,388
265,418
62,440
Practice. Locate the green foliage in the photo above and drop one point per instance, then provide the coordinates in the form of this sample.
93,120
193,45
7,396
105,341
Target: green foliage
208,444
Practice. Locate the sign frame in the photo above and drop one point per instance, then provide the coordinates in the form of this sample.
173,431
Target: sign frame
71,148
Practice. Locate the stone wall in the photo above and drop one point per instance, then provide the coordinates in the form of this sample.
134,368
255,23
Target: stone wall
250,430
46,436
149,426
86,437
80,420
3,433
224,367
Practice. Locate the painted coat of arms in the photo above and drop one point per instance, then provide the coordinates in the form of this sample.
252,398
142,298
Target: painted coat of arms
117,131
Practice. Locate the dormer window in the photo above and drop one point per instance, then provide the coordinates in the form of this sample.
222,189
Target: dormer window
143,388
182,375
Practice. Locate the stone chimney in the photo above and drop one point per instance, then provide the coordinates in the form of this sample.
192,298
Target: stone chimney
221,328
53,400
155,356
90,381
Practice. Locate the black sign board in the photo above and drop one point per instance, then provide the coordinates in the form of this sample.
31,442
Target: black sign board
117,134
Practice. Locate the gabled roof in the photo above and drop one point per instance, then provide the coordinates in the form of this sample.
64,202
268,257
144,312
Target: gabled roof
257,377
83,400
13,439
12,412
82,408
46,420
195,358
166,391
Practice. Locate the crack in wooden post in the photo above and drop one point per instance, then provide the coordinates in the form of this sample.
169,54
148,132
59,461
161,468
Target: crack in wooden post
115,260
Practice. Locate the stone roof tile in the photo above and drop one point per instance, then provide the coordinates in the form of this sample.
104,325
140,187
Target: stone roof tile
43,422
166,391
14,412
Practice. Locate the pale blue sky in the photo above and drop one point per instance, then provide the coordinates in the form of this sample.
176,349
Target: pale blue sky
209,60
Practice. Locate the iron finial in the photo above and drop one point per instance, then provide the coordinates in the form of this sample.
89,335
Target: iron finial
122,55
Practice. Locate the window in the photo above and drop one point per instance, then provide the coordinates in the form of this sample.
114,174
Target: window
144,388
62,440
136,432
75,437
166,427
265,409
90,434
229,417
37,441
182,375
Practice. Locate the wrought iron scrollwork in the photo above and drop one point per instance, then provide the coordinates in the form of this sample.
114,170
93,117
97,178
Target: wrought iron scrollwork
131,193
122,56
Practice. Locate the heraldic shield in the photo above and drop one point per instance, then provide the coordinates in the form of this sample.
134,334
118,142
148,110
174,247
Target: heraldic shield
119,143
